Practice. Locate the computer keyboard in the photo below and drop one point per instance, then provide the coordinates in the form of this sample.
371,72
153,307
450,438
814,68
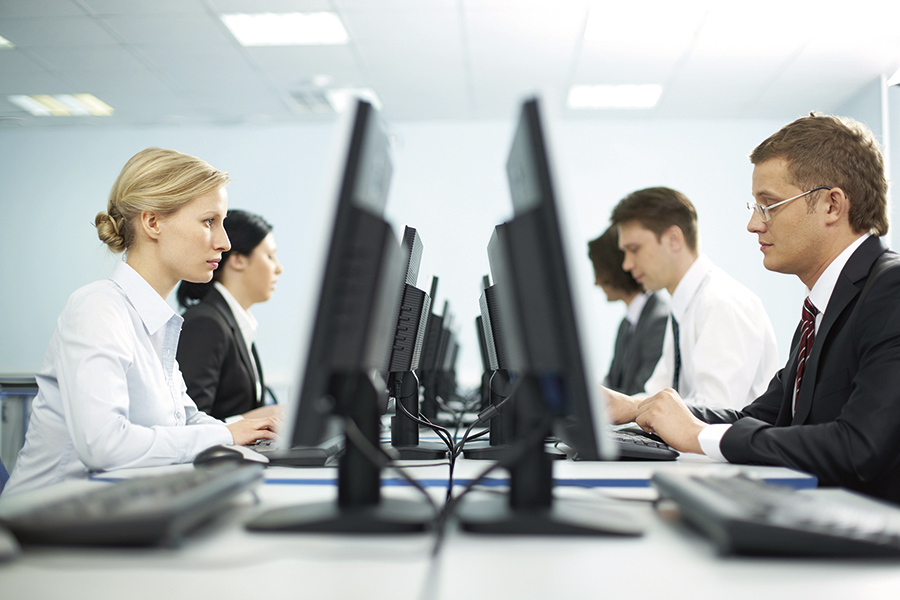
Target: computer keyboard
640,446
749,516
320,455
156,510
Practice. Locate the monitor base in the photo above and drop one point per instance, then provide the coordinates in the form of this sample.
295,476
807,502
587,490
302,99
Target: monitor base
422,451
388,516
563,517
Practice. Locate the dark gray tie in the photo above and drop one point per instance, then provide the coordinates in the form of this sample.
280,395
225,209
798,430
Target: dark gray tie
677,373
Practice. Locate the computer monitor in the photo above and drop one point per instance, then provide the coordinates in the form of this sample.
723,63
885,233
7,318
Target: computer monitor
499,384
403,384
353,326
428,371
554,388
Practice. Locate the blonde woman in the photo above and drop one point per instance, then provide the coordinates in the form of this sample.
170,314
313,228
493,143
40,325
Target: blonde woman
111,395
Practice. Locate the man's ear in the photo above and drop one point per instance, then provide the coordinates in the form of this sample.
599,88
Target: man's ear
150,224
837,205
673,238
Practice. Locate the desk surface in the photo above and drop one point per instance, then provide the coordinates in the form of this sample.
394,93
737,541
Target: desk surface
225,561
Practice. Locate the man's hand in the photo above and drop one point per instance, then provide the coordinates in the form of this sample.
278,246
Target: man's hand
247,431
666,415
620,408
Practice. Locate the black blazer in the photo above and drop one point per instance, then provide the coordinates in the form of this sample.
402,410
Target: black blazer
846,430
636,353
213,358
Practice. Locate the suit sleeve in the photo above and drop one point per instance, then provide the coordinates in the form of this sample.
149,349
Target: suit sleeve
859,443
201,353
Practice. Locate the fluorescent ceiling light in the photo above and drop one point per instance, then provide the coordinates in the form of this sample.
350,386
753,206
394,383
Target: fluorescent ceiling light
5,43
342,99
62,105
613,96
287,29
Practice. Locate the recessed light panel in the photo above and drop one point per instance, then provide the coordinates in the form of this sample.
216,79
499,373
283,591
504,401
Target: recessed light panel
287,29
613,96
62,105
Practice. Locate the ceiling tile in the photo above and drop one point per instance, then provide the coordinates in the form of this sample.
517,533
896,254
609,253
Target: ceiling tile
55,31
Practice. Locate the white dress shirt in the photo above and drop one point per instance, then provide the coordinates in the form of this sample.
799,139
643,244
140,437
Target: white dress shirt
248,325
711,435
111,395
728,348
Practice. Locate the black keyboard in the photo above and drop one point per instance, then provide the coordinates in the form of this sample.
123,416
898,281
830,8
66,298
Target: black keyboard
323,454
148,511
641,446
749,516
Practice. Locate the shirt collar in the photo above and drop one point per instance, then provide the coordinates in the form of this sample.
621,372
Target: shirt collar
150,306
246,321
689,284
820,294
635,308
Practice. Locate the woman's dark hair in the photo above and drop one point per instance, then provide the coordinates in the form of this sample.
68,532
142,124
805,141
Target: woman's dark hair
245,232
607,259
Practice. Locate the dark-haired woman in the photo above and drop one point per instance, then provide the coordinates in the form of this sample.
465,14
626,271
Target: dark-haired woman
216,350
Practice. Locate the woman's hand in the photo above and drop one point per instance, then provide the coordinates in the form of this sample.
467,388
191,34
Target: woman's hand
247,431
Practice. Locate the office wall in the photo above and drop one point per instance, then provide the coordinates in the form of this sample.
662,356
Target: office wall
449,183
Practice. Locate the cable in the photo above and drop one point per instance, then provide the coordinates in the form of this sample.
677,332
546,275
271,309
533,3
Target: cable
513,454
380,458
440,431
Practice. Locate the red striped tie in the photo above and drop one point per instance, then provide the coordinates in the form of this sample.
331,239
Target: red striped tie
807,334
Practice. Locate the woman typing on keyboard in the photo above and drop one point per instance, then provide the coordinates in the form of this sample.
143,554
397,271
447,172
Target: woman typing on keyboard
111,394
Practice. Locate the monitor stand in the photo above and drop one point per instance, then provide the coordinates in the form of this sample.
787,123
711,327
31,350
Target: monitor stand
404,431
359,507
530,508
502,425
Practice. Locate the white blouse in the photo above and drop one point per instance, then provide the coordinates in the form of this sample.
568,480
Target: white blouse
111,395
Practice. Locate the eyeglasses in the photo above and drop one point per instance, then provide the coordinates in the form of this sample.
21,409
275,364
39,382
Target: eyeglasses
763,211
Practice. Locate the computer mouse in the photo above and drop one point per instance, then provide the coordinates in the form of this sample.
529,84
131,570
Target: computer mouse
9,546
235,454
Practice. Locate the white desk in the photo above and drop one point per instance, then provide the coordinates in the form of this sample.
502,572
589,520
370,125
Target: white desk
225,561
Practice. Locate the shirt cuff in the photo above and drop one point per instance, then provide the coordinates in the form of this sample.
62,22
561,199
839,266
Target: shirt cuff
234,419
710,437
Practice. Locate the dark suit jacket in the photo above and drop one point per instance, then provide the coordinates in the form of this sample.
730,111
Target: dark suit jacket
846,430
214,360
637,352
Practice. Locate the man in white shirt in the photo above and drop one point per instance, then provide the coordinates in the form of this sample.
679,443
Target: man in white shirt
725,351
639,340
834,409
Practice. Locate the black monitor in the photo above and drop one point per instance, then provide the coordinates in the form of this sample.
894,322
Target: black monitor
353,326
429,366
554,389
403,384
499,381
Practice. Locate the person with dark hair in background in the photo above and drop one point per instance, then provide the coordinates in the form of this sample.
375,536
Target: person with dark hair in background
719,348
819,207
111,395
640,338
216,350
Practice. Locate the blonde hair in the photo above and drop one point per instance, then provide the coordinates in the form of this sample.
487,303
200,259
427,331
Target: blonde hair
154,179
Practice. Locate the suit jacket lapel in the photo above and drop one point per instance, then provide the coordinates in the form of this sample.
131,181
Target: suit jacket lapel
218,301
849,283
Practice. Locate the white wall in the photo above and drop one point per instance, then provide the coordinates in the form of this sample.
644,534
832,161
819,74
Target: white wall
449,183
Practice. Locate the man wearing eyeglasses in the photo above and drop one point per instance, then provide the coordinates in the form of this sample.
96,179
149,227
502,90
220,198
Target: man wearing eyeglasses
719,347
834,409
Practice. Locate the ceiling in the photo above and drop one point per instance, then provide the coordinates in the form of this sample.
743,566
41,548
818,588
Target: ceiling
173,61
